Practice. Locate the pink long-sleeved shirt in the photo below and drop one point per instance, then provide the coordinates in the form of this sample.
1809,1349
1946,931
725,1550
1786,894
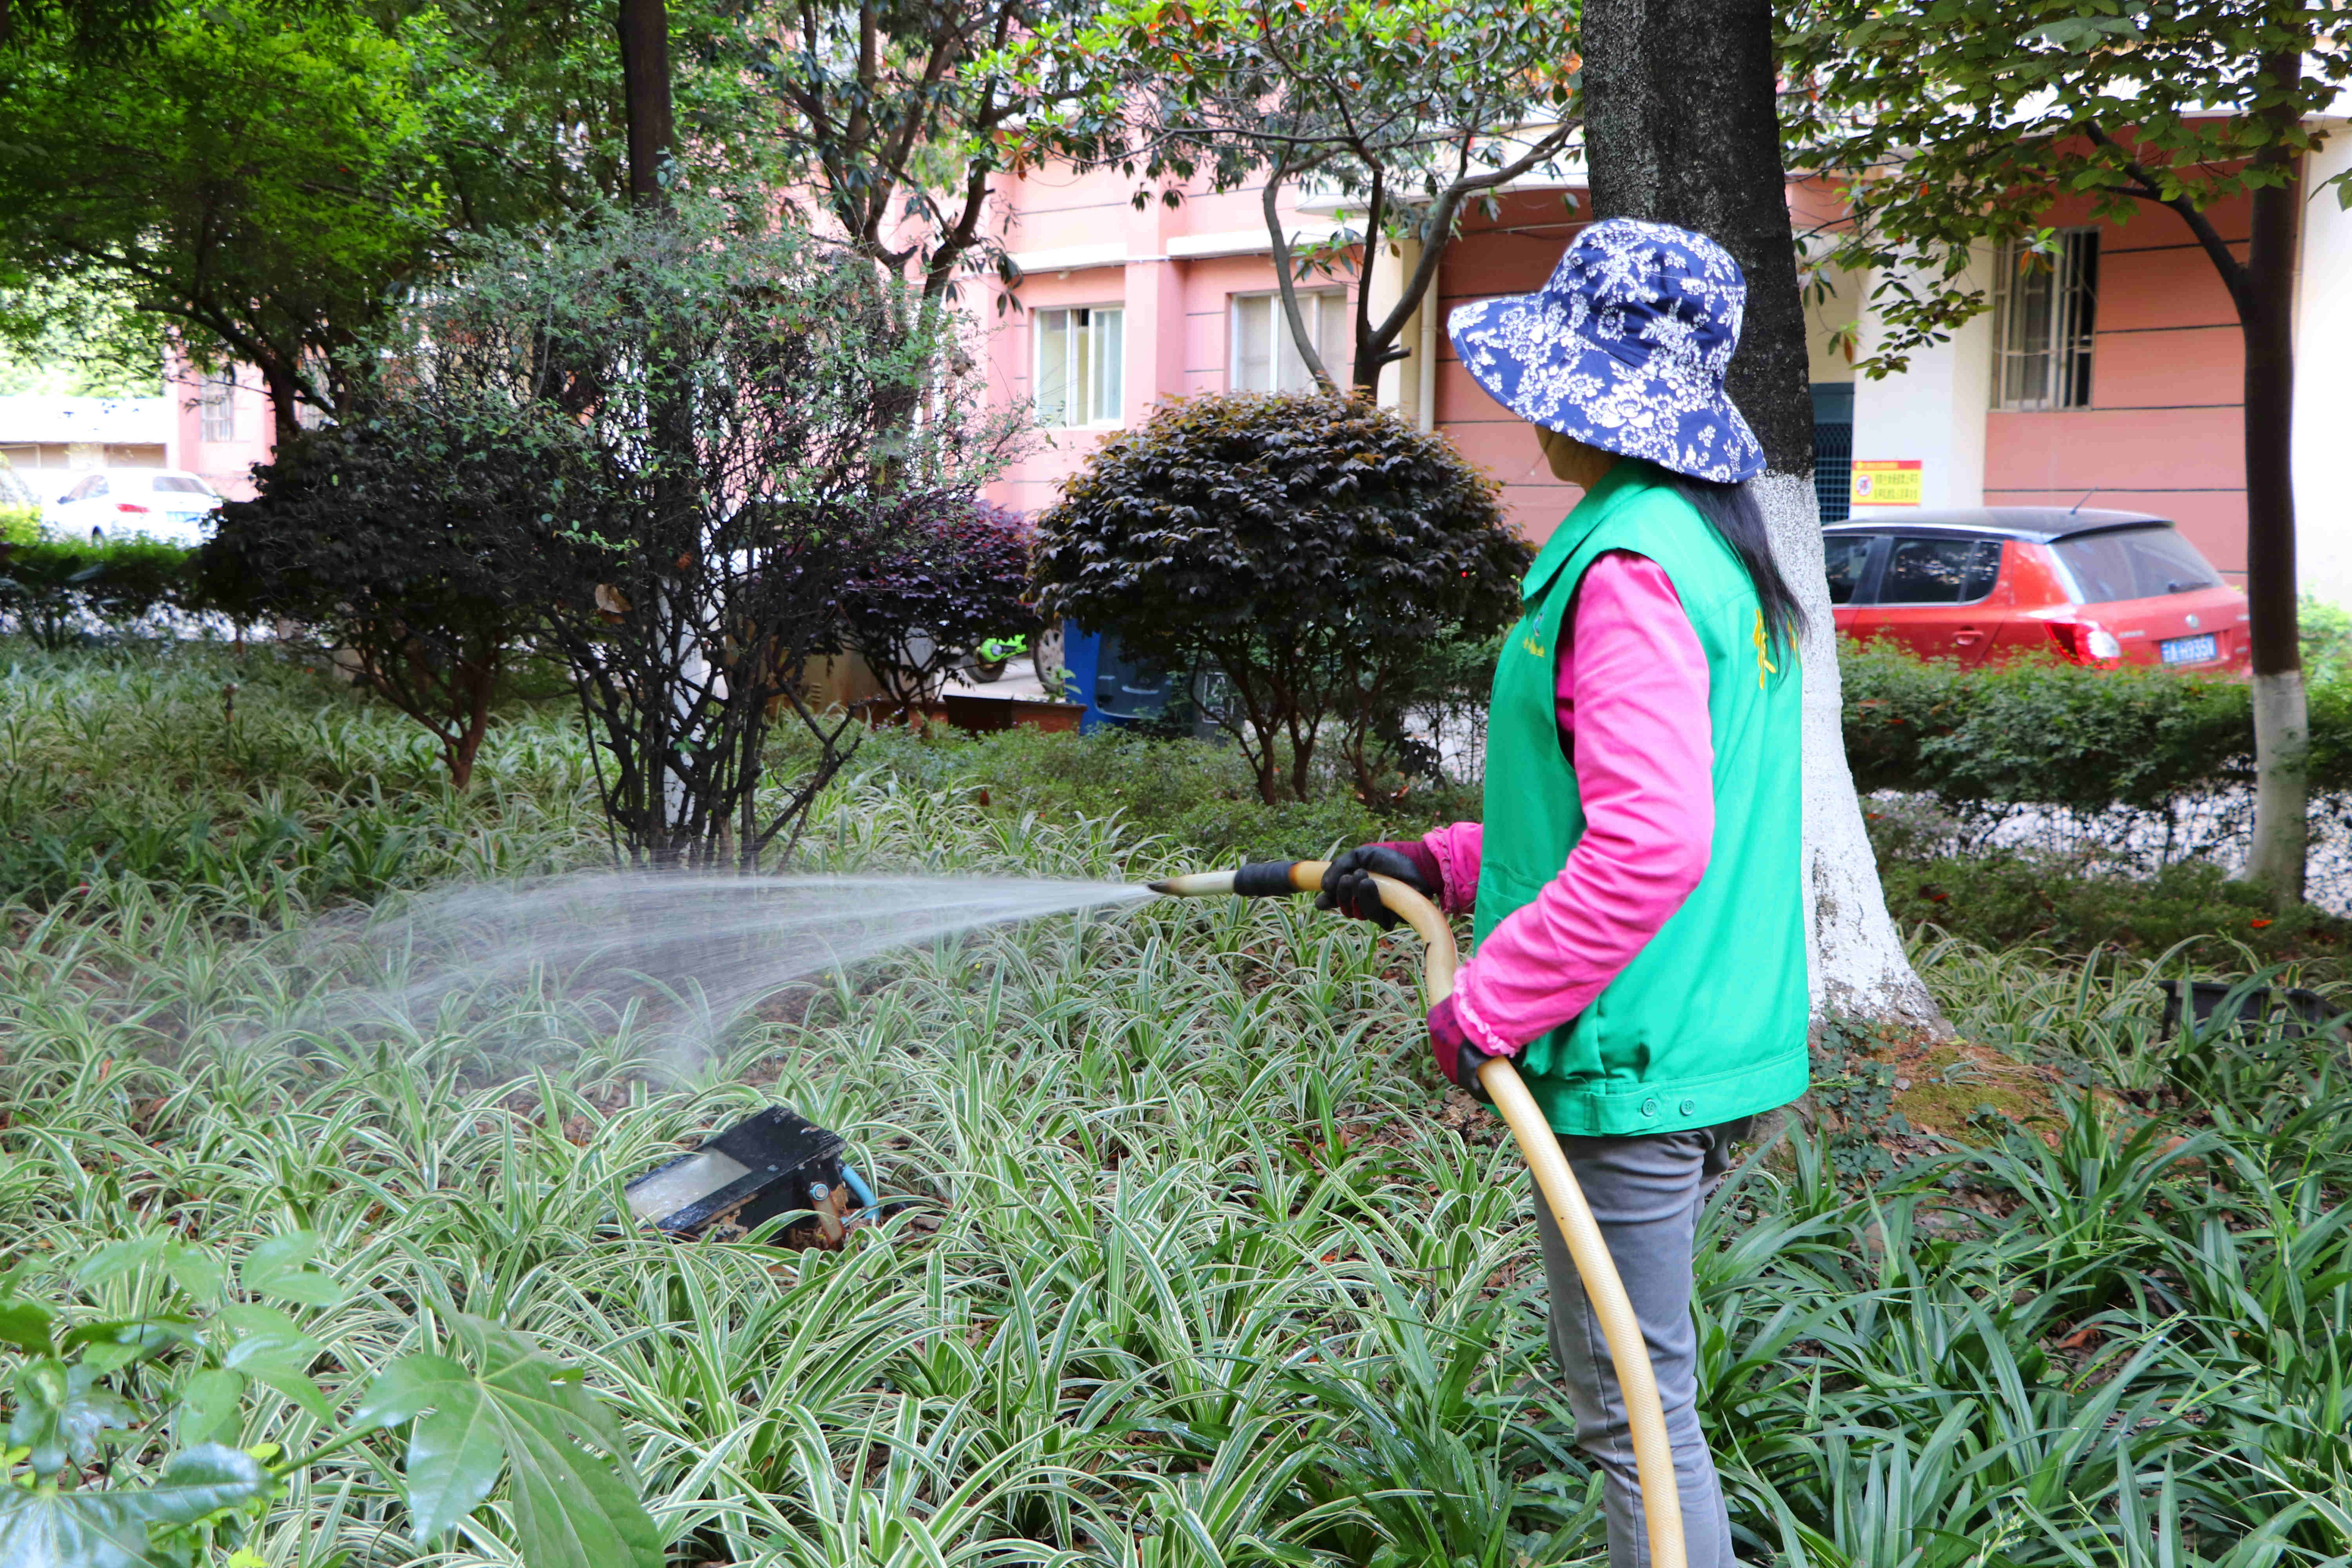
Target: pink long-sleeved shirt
1633,700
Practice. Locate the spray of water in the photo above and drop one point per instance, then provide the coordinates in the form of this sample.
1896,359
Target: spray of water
685,954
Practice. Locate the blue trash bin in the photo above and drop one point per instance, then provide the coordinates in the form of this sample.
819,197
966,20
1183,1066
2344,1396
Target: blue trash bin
1118,689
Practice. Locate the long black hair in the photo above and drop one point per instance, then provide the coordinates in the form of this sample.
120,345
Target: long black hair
1732,510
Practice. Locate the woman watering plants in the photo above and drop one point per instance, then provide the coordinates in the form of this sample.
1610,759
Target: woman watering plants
1635,884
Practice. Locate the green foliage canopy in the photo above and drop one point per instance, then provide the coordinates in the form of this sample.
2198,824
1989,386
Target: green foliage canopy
896,115
663,445
261,177
1410,110
409,537
1955,122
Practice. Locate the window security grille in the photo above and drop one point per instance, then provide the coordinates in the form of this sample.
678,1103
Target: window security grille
2044,312
1833,449
218,402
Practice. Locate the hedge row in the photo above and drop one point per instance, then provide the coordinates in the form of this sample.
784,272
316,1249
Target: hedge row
2048,734
50,589
2029,732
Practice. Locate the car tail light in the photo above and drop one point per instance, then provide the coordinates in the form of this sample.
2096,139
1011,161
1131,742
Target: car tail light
2086,642
130,506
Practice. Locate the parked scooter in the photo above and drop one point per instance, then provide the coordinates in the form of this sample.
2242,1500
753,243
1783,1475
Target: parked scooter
989,660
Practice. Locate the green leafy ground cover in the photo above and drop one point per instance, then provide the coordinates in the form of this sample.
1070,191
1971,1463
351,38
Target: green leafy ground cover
1198,1267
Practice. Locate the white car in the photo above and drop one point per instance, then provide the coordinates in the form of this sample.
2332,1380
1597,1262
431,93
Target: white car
169,504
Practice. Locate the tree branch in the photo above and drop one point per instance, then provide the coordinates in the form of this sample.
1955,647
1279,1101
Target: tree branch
2217,249
1270,198
1438,226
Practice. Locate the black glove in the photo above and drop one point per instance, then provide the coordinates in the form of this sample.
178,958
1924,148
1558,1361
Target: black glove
1347,886
1459,1057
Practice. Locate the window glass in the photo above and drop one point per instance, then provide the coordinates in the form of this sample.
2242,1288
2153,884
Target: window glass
1080,365
2133,563
1847,555
178,485
2044,312
1105,356
1252,366
218,401
1053,367
1264,355
1939,571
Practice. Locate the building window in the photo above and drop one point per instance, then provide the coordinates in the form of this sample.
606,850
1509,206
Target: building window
1080,366
1266,357
2045,307
1833,449
218,402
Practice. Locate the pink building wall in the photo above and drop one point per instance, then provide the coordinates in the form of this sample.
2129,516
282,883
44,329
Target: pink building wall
2161,434
2164,431
227,464
1512,252
1177,325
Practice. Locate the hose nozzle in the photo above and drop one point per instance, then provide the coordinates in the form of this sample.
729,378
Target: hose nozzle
1266,879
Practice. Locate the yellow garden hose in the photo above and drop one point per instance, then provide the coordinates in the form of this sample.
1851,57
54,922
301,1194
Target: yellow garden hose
1654,1459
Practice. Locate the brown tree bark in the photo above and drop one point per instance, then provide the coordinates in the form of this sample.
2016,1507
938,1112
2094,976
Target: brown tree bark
645,91
2265,299
2261,288
1681,126
285,402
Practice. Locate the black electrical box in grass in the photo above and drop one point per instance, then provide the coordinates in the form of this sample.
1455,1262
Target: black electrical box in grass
773,1163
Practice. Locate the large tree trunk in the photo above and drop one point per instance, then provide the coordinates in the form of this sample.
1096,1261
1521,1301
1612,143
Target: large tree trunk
285,403
1681,127
645,92
2281,727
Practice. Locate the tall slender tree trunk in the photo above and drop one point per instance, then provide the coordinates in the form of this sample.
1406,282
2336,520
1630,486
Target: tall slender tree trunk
644,29
2282,725
645,92
1681,127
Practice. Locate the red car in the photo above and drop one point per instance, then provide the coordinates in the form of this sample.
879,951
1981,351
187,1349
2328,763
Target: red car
2097,587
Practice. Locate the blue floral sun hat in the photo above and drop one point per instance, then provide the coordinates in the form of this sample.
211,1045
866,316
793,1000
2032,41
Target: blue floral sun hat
1625,349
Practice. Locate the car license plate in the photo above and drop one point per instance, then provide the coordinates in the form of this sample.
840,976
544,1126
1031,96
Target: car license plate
2188,650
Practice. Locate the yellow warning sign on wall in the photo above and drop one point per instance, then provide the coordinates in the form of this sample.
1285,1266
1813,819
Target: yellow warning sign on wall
1887,483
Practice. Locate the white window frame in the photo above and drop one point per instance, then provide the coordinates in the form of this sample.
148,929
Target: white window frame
217,406
1331,321
1095,365
2045,314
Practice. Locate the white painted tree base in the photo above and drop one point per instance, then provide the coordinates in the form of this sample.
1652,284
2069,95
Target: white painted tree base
2276,858
1858,968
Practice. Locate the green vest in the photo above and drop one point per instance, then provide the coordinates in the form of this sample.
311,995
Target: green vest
1708,1022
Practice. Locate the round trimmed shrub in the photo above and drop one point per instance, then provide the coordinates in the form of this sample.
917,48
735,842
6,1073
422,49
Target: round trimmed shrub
1312,549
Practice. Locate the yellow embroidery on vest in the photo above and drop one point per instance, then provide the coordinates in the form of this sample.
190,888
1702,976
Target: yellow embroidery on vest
1764,664
1527,641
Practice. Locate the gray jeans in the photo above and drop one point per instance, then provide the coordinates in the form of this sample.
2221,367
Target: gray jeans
1645,1194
